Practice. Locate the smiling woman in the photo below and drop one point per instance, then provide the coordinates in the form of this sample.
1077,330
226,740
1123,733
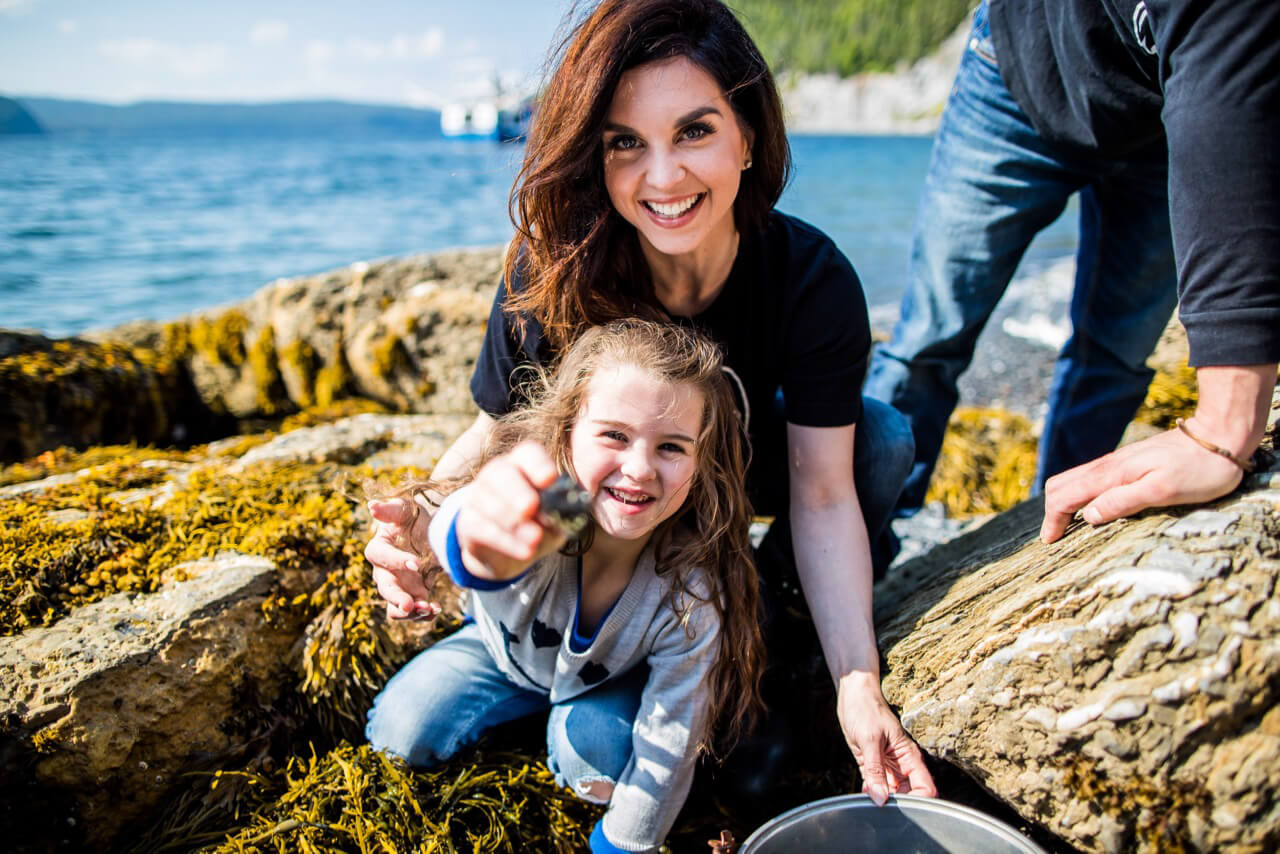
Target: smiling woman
674,155
647,190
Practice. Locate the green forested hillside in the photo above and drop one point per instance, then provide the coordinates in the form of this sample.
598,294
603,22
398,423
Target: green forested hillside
848,36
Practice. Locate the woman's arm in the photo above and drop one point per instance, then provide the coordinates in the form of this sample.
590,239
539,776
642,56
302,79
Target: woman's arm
833,559
400,536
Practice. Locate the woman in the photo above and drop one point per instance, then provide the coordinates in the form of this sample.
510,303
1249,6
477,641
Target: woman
647,189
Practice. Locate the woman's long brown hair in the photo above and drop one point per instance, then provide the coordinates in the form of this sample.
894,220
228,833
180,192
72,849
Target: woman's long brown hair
716,514
578,259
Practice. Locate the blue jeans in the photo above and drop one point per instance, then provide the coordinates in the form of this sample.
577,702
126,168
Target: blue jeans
451,694
993,184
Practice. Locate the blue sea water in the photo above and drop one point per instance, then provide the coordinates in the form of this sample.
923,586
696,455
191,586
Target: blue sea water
99,230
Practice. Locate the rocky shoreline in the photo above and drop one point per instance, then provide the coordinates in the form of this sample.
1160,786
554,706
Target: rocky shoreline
205,608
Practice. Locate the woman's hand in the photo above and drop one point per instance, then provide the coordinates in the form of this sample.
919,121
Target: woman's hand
396,550
498,526
889,760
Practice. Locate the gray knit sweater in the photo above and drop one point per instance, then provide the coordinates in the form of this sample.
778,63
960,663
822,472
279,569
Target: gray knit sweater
528,626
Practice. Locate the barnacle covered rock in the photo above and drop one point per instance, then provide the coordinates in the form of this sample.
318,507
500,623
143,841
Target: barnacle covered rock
1119,686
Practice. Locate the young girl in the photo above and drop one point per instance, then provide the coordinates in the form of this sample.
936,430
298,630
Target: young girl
643,638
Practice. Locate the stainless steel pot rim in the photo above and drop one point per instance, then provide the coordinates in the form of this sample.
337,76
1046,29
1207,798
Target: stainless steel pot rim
909,803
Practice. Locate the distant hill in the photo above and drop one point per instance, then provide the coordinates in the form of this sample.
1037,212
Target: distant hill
15,119
58,115
848,37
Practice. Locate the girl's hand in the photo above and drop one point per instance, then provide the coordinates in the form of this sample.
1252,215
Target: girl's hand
889,761
498,527
397,559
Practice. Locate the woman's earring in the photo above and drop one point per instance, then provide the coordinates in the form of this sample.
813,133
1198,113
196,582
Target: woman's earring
747,165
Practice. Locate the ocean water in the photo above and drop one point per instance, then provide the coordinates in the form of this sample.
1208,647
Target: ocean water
99,230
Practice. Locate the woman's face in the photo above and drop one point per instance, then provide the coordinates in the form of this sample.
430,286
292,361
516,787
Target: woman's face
673,156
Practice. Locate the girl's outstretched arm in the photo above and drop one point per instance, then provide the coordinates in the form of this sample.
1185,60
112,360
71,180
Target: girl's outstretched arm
833,559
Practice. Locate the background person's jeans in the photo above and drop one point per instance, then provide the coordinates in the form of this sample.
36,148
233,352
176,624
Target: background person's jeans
449,695
993,184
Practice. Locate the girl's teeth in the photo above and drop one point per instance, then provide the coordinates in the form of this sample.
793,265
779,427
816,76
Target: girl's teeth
673,210
640,499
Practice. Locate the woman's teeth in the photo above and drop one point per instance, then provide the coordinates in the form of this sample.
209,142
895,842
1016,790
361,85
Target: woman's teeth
675,209
628,499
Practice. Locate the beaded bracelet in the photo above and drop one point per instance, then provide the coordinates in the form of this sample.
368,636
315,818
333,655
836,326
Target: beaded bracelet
1217,449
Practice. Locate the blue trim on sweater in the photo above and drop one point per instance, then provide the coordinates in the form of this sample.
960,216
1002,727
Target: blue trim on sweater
600,844
458,570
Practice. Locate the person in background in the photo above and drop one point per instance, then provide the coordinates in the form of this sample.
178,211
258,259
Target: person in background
653,165
1164,116
634,635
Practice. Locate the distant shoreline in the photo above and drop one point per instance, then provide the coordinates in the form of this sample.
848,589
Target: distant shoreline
908,101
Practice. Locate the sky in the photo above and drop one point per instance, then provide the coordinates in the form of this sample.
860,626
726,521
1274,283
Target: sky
411,52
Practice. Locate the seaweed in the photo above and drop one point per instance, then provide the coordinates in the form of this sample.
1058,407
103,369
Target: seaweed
987,463
355,799
1171,395
1156,810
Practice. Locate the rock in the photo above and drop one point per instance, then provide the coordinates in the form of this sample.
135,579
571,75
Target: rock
1118,687
105,709
79,392
407,439
126,694
403,331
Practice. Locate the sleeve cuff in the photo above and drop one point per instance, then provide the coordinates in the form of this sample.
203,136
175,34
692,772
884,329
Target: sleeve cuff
600,844
443,537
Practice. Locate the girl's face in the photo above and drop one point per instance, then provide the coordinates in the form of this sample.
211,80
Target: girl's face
634,448
673,156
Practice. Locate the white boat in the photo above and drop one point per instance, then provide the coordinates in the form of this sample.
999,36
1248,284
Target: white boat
485,119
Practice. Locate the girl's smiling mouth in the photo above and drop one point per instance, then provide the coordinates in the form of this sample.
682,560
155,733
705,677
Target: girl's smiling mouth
635,499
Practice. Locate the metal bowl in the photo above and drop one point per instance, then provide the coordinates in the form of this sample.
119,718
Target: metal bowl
907,824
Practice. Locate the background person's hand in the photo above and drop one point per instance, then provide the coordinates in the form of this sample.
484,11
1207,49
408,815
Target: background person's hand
397,552
1162,471
499,531
889,760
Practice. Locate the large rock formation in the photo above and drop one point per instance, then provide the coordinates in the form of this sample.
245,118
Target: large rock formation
404,332
125,695
908,100
106,701
1119,686
1116,687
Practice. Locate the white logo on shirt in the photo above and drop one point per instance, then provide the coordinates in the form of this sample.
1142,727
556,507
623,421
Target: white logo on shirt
741,388
1142,28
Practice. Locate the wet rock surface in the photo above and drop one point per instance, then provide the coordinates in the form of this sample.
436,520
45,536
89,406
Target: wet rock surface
403,332
1118,687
